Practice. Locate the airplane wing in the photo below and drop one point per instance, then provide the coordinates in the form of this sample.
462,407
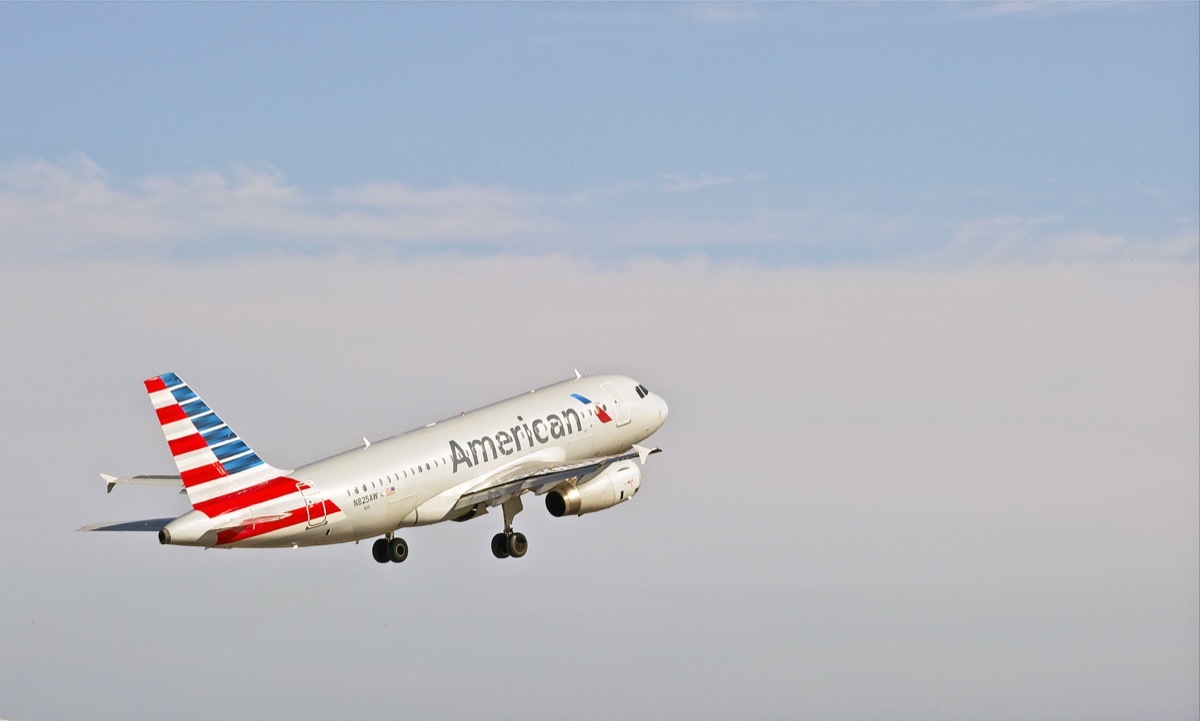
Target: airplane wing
541,478
151,524
112,481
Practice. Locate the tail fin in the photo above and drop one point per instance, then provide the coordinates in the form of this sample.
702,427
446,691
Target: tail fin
212,460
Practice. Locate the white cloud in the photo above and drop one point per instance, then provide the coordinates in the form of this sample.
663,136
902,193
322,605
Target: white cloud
720,13
1042,239
464,212
677,183
1033,8
76,208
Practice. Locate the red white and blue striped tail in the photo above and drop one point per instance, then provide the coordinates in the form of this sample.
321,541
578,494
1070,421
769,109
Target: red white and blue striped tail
212,460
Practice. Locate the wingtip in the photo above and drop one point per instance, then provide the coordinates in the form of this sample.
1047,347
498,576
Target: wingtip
110,482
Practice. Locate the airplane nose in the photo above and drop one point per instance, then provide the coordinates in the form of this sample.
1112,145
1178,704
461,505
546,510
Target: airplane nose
662,408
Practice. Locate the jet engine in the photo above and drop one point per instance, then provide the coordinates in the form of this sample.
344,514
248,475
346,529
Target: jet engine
613,485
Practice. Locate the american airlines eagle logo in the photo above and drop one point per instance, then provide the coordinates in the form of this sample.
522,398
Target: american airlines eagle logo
601,413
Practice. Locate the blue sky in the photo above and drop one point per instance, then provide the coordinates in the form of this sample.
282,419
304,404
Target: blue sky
785,133
920,283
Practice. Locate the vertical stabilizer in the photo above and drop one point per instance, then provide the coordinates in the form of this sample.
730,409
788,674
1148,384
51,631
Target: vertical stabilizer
212,460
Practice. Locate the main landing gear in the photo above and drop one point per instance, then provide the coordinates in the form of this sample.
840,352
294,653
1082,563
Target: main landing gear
509,543
389,549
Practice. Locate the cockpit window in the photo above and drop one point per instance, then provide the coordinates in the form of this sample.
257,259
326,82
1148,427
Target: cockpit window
641,391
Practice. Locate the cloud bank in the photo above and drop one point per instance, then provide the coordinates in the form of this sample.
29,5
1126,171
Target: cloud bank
61,210
971,492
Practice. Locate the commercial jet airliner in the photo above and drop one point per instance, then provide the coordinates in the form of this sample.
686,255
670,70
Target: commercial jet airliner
574,442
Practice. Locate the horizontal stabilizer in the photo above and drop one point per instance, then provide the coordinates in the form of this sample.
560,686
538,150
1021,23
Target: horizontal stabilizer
112,481
151,524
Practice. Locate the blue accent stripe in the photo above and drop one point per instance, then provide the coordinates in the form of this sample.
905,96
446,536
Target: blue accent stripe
580,398
231,449
212,438
240,464
170,380
183,393
195,408
203,423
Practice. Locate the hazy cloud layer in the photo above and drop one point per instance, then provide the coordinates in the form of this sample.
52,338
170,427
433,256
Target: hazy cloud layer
56,210
884,493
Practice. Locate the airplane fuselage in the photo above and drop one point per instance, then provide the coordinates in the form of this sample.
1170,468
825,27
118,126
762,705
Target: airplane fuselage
422,476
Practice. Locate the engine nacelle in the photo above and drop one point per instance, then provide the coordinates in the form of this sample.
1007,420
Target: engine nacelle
613,485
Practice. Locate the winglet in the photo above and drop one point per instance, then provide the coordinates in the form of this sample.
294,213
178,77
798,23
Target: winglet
578,375
644,452
110,481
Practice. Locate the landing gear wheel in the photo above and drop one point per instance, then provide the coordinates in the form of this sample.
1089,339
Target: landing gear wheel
379,550
517,545
397,550
500,546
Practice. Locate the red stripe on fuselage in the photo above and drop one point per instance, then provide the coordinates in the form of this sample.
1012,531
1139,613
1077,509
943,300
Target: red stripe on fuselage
154,384
295,517
187,444
170,414
266,491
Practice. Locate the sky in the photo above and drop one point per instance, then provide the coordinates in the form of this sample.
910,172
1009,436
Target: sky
920,283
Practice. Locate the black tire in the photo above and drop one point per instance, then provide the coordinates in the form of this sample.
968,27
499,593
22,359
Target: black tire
517,545
397,550
500,545
379,550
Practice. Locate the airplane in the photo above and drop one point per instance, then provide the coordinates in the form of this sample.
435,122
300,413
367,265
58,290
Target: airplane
574,442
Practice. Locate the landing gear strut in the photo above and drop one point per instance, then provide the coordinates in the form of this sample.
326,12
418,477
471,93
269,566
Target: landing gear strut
388,549
509,543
